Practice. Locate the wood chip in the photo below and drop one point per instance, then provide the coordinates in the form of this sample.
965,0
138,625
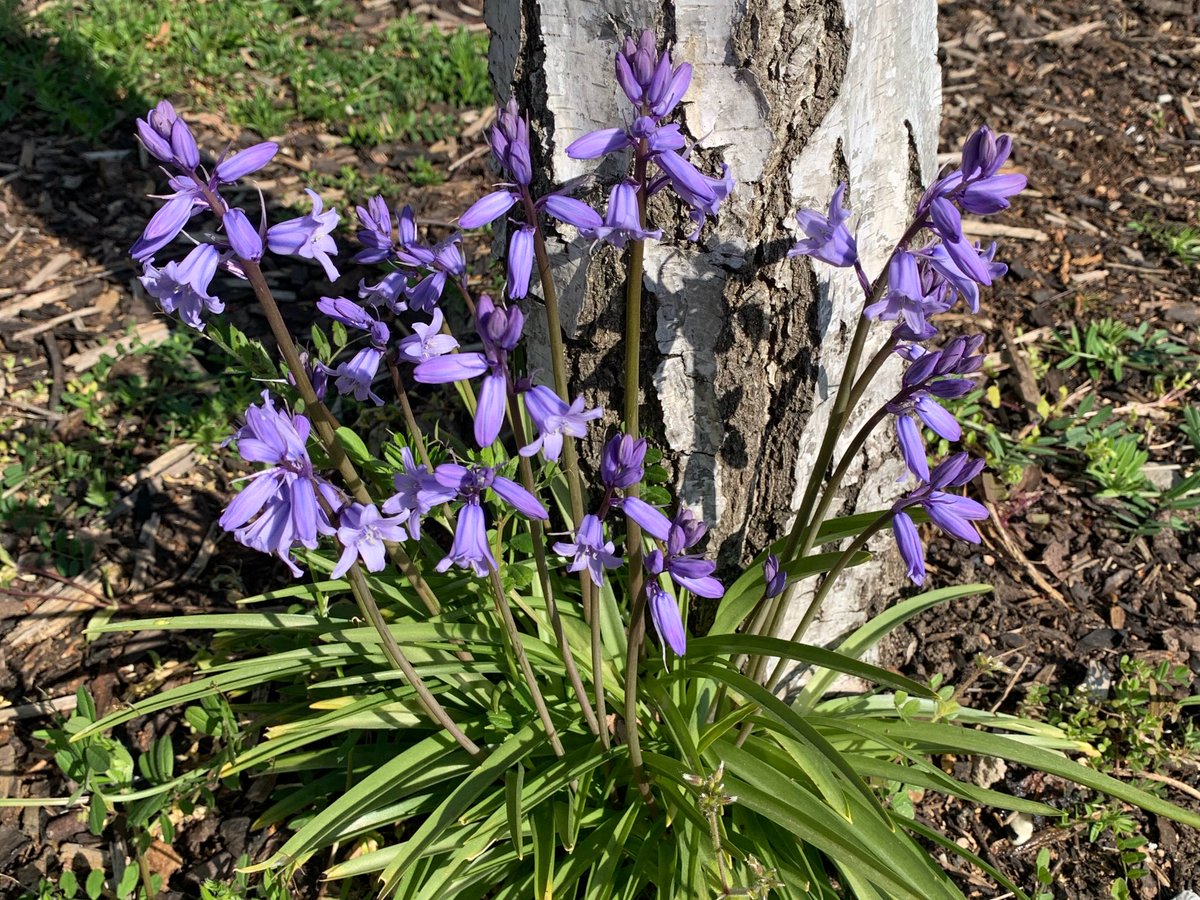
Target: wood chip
995,229
56,264
40,708
53,616
152,332
1065,36
47,325
37,300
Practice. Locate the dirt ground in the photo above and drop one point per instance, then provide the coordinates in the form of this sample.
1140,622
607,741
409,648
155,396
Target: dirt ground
1101,100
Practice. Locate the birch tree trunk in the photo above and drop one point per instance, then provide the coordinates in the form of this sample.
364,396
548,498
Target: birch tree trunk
741,345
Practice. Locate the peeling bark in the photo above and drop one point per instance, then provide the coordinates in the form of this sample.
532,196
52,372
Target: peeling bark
740,344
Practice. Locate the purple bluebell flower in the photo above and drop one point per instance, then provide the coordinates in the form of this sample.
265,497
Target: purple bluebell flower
590,550
650,518
774,576
166,223
417,492
621,464
952,513
347,312
245,162
687,571
154,131
933,374
376,232
284,496
244,238
471,483
664,612
509,140
500,330
553,420
183,286
488,208
470,549
356,375
908,298
828,239
317,374
648,78
721,188
622,220
571,211
426,341
520,262
692,186
309,236
389,292
598,143
963,282
362,531
977,187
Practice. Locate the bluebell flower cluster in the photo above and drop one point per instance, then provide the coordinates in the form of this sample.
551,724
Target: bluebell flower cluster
919,284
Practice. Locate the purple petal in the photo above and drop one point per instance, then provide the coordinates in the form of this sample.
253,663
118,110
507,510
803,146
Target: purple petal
572,211
247,161
664,612
909,543
489,414
447,369
652,521
163,226
597,143
243,237
519,498
912,448
520,262
488,209
183,145
937,418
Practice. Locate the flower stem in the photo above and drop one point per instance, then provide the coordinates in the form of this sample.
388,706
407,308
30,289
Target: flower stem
514,636
538,538
843,561
370,610
409,419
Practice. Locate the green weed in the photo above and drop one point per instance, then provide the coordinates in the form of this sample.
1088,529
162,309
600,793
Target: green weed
1181,242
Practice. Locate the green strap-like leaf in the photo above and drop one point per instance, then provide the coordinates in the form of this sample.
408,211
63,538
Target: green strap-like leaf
874,630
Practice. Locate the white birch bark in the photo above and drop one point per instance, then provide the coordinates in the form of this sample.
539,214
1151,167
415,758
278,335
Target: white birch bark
742,346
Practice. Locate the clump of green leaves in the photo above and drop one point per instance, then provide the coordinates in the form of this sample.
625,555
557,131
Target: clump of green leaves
1107,346
1182,242
1128,726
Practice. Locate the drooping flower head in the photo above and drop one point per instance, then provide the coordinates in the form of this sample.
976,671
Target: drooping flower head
184,285
590,550
622,463
500,329
309,236
472,484
361,532
664,613
827,237
417,492
952,513
554,420
284,496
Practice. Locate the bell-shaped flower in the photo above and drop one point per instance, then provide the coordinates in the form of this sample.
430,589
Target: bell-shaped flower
426,342
520,262
488,208
361,532
417,492
470,549
622,463
554,420
774,577
664,613
244,239
310,236
245,162
284,496
952,513
826,236
183,286
375,233
622,219
908,298
356,375
590,550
